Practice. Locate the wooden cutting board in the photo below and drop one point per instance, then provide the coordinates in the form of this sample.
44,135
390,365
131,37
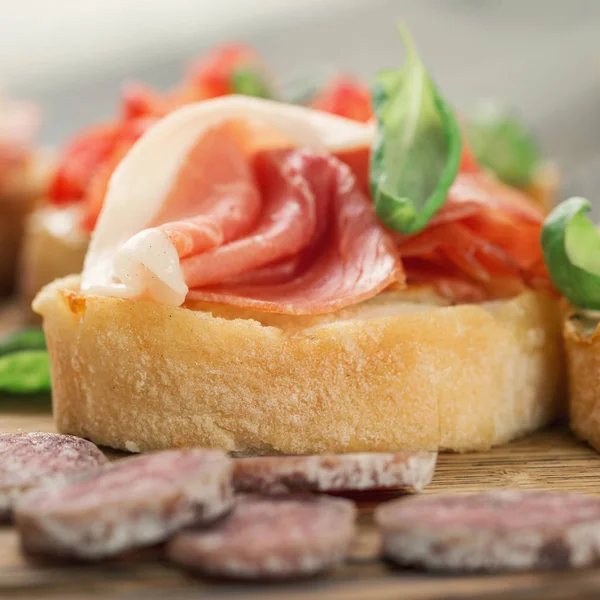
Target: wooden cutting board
551,459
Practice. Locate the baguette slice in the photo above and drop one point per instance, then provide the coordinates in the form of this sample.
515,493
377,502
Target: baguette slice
53,247
18,196
399,372
582,341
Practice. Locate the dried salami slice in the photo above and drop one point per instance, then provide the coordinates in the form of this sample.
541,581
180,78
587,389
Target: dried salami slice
270,538
29,460
408,471
130,503
504,530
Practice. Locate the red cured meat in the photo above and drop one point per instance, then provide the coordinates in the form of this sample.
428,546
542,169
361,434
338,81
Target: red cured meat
502,530
130,503
270,538
486,232
284,230
30,460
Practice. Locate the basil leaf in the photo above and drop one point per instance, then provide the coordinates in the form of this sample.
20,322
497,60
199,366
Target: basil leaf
250,82
417,150
25,372
571,246
503,144
30,338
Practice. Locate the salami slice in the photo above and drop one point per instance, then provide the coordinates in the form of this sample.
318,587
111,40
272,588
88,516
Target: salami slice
270,538
504,530
130,503
29,460
408,471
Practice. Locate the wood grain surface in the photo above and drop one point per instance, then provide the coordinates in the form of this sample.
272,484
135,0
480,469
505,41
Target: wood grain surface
551,459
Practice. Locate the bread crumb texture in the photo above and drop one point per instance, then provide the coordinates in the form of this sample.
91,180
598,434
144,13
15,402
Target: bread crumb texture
401,371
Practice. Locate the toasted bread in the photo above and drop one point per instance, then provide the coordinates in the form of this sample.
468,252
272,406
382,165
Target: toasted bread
400,371
582,341
18,195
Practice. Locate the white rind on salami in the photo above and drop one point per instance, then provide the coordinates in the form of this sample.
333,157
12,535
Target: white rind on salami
34,459
505,530
130,503
282,537
404,471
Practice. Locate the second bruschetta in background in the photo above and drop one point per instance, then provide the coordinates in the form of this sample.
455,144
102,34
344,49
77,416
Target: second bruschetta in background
571,246
24,173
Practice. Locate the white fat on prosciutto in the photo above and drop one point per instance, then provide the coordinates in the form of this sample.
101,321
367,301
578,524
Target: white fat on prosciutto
130,258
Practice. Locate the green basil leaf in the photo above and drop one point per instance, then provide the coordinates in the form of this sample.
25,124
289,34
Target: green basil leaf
417,150
250,82
25,372
571,246
30,338
503,144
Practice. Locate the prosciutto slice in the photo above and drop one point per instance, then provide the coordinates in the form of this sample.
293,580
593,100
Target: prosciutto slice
321,231
483,243
260,204
243,201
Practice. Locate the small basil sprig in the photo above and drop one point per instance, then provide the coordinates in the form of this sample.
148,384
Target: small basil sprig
503,144
250,82
571,246
24,363
417,149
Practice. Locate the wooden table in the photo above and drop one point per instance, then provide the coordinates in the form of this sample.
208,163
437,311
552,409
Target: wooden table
551,459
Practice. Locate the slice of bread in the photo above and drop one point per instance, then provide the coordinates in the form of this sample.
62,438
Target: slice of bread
401,371
53,247
582,341
18,195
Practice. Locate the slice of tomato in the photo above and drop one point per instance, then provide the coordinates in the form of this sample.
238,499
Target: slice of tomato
211,77
140,101
346,97
79,162
93,197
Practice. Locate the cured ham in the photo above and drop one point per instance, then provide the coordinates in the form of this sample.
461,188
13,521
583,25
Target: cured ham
248,203
318,222
256,203
486,232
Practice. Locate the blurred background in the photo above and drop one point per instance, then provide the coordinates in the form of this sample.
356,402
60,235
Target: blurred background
542,56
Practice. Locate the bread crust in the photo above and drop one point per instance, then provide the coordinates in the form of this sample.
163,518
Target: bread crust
582,342
394,373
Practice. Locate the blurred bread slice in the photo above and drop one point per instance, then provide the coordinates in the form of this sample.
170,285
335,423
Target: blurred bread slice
18,195
400,371
53,246
582,341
